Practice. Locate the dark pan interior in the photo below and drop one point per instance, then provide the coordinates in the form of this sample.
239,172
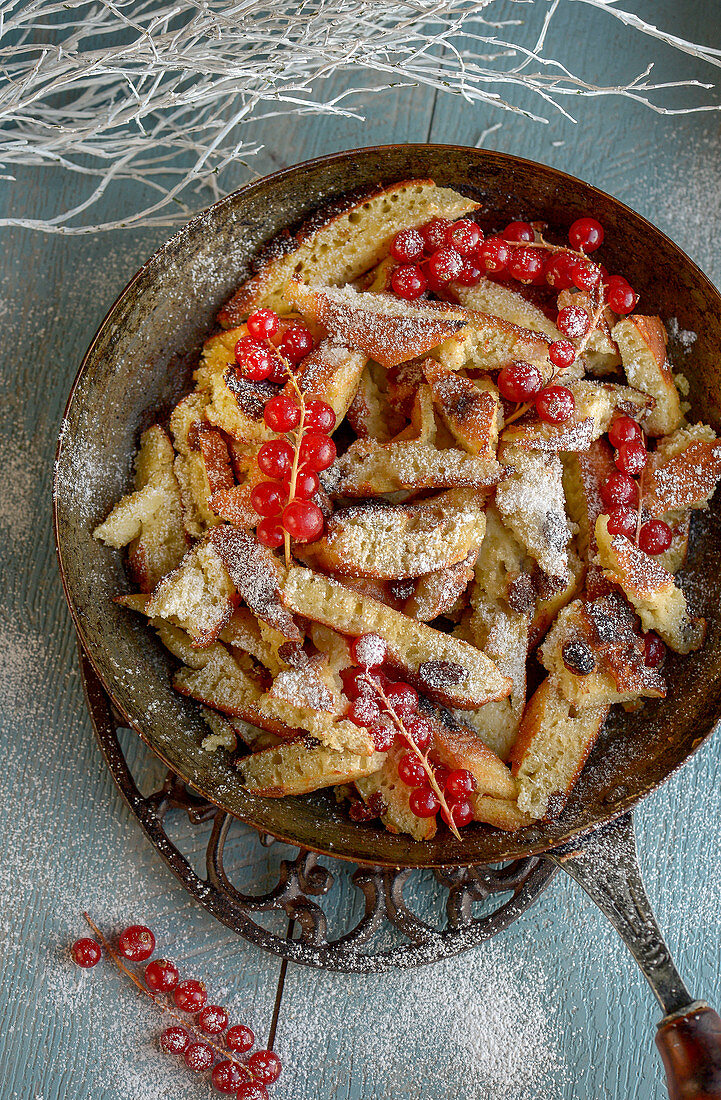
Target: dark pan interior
140,360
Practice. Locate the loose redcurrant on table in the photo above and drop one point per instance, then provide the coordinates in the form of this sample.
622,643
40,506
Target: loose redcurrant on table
423,802
239,1038
281,413
369,650
275,458
212,1019
562,354
199,1057
317,451
161,975
573,322
319,415
631,458
621,297
411,771
269,532
136,943
434,234
555,404
622,521
518,231
654,650
86,952
464,236
519,381
263,324
407,246
174,1040
268,498
461,813
252,1090
559,271
526,264
655,537
624,430
494,255
190,995
408,282
460,783
445,264
303,520
296,343
585,235
265,1065
619,491
227,1076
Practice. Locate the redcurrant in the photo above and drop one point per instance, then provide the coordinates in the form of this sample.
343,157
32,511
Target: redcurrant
296,343
254,360
559,271
411,771
585,275
445,264
307,484
518,231
275,458
161,975
269,532
494,255
526,264
239,1038
470,274
227,1076
190,995
441,774
620,296
136,943
654,650
319,415
174,1040
619,491
622,521
408,282
268,498
460,783
655,537
420,730
265,1065
464,236
251,1090
624,430
434,234
555,404
364,711
403,698
407,246
423,802
461,813
383,735
562,353
303,520
573,322
263,324
86,952
317,451
519,381
212,1019
281,413
631,458
585,235
369,650
199,1057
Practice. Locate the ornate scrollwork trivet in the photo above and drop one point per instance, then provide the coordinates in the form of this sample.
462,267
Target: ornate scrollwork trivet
480,901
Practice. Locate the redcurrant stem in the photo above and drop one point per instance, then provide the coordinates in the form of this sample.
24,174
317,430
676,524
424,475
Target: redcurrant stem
297,438
414,748
160,1005
520,411
640,505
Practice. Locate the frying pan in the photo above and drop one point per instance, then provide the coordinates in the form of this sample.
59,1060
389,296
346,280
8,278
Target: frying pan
140,362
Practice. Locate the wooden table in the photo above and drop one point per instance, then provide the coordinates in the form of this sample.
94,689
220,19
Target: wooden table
553,1009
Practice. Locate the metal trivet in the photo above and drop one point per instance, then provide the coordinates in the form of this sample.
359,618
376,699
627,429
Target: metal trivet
477,905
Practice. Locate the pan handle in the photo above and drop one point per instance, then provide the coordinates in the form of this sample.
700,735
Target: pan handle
605,864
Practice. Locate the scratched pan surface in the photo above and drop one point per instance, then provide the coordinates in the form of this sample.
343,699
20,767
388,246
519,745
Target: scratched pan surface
140,361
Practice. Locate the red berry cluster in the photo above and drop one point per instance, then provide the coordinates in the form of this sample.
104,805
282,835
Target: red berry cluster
285,501
373,694
271,344
246,1079
522,382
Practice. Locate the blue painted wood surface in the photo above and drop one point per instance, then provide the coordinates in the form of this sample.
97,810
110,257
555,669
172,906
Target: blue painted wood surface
554,1009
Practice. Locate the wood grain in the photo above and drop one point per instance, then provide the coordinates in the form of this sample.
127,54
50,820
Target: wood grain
555,1009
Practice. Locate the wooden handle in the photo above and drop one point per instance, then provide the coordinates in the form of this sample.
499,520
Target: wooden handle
690,1045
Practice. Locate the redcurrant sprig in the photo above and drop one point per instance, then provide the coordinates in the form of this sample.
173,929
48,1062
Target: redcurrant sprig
246,1079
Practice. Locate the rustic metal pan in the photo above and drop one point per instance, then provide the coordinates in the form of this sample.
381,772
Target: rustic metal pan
140,361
